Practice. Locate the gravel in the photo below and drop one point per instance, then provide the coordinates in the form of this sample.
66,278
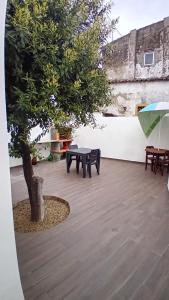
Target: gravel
56,211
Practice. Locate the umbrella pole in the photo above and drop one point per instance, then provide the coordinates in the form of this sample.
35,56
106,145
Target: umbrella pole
159,134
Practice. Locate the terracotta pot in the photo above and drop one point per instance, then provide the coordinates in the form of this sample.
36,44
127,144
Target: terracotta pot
34,161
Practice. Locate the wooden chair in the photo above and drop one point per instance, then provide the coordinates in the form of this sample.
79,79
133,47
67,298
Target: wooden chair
150,158
163,162
93,159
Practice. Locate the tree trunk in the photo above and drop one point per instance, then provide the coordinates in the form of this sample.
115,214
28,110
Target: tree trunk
34,185
38,201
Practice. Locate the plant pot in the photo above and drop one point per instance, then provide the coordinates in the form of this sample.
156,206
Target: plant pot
34,160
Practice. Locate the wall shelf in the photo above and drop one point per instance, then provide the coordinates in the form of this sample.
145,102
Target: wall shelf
60,151
56,144
60,146
54,141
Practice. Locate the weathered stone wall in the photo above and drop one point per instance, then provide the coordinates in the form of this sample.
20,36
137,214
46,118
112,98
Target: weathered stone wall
148,39
129,94
117,59
165,37
125,61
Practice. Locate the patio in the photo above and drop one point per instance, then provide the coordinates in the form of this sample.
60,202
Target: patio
114,244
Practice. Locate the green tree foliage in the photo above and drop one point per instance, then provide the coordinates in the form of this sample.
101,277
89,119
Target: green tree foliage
53,48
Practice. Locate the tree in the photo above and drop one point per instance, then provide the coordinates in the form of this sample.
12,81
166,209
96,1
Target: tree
53,70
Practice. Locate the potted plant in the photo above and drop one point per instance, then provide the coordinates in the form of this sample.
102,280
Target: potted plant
36,155
65,132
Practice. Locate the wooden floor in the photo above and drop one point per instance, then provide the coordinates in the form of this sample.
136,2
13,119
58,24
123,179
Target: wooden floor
114,244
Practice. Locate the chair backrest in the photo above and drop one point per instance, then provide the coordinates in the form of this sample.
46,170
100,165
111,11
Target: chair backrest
166,155
94,155
73,147
147,153
147,147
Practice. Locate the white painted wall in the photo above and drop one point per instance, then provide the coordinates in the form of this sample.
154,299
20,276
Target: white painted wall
10,286
119,138
43,148
122,137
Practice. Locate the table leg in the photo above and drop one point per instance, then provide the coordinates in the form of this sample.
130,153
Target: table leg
98,165
77,164
156,164
84,165
68,162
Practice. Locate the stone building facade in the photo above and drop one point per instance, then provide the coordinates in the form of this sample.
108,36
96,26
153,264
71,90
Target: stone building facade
137,67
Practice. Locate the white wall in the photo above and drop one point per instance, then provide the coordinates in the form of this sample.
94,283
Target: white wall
43,148
121,137
10,286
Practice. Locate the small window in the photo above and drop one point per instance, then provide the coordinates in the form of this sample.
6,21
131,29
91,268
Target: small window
148,58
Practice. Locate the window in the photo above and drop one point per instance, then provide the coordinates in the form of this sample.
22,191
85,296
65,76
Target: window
139,107
148,58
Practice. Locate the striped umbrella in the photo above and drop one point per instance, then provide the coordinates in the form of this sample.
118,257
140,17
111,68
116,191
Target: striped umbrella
151,115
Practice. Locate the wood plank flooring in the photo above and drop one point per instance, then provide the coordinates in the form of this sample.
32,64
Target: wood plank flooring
113,246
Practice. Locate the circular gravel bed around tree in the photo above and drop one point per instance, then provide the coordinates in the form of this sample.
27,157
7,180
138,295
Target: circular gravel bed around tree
56,211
